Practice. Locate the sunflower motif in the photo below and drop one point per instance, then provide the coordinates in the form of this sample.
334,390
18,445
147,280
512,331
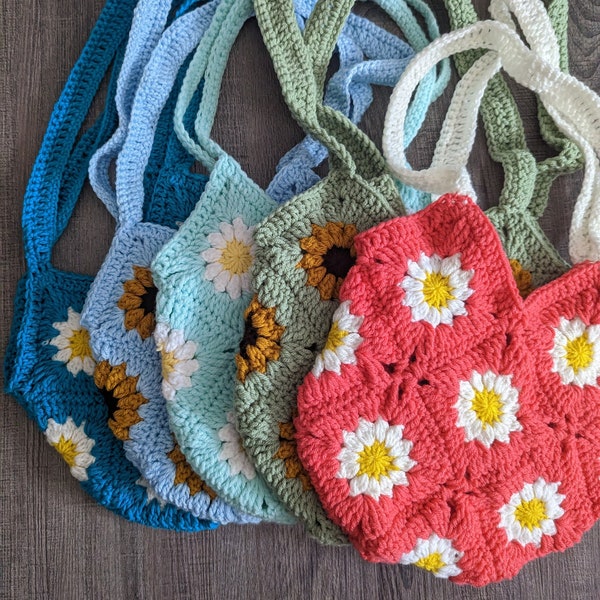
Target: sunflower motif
139,302
121,396
261,340
328,256
185,474
522,277
288,454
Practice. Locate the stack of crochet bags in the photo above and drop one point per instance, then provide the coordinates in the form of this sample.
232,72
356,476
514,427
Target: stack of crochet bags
368,354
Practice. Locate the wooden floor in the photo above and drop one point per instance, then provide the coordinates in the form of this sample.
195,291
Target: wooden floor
54,541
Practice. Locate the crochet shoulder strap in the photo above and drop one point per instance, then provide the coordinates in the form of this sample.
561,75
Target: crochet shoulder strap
150,18
527,184
300,62
572,105
46,210
175,45
209,63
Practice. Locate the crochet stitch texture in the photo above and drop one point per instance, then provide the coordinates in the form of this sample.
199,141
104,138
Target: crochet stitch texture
302,252
119,310
203,272
468,445
48,363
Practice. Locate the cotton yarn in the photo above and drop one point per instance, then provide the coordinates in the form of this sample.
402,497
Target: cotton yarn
48,364
205,303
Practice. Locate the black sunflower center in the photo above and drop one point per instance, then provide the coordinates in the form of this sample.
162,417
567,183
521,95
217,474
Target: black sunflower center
249,339
338,261
148,299
111,402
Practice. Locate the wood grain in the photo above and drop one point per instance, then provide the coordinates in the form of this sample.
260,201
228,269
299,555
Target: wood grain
54,541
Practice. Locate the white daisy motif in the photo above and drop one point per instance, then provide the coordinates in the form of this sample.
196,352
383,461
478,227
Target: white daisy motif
374,458
178,362
150,492
230,257
576,352
436,289
487,408
532,512
436,555
72,443
73,345
342,342
233,451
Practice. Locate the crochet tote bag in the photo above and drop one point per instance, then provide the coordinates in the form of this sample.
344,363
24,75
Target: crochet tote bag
459,434
302,253
202,273
49,364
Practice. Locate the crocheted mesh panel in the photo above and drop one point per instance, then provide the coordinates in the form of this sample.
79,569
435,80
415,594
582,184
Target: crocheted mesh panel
449,423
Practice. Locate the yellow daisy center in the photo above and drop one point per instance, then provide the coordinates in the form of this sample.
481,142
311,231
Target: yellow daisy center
437,290
169,362
580,352
375,460
432,562
236,257
336,337
531,513
79,343
67,449
487,406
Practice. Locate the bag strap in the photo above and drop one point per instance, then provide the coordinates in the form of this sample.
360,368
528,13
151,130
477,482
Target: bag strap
573,106
300,62
175,45
527,184
41,222
149,21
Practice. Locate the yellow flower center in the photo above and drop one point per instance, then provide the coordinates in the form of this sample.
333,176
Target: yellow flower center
375,461
437,290
487,405
580,352
79,343
336,337
67,449
531,513
169,362
236,257
433,562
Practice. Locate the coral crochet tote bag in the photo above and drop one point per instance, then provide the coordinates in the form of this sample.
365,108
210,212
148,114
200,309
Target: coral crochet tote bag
459,433
288,319
48,364
202,273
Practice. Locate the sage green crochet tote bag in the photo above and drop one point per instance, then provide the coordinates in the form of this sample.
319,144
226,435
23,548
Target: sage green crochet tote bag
302,253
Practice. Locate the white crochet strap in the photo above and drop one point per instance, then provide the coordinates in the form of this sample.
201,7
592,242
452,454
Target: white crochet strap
574,107
458,132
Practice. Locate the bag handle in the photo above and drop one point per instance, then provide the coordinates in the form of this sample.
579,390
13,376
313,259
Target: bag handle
41,222
300,62
149,20
573,106
175,45
527,184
